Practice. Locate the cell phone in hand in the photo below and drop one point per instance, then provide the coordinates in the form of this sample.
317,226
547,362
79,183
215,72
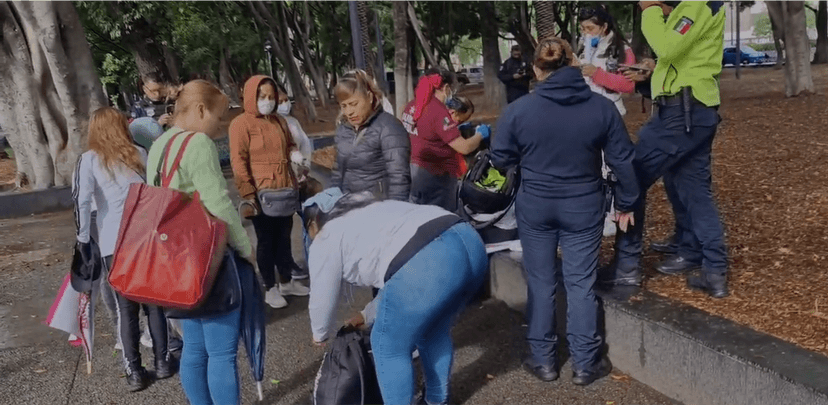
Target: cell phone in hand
636,68
169,109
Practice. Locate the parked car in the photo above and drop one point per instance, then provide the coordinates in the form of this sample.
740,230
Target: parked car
748,56
474,74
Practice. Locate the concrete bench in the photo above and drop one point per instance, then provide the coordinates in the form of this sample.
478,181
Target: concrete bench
685,353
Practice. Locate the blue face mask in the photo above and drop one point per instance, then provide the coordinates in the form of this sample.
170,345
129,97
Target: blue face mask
595,41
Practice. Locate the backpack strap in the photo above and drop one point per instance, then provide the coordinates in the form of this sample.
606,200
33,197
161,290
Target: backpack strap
167,175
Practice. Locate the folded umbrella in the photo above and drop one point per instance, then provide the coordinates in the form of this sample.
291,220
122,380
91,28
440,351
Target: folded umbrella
252,319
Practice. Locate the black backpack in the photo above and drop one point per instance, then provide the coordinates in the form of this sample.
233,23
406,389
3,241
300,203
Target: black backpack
473,199
347,375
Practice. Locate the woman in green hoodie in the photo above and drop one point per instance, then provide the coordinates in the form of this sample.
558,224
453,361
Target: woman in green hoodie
208,362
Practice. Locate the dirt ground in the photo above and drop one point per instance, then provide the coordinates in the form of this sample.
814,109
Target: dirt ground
770,169
770,174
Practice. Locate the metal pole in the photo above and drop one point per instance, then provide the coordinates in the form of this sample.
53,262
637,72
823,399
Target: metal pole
738,42
356,36
380,57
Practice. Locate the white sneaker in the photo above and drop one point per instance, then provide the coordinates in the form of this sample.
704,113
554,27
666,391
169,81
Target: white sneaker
294,288
275,299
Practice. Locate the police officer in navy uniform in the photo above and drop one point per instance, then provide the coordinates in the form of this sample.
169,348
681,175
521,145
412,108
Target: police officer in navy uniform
687,37
515,74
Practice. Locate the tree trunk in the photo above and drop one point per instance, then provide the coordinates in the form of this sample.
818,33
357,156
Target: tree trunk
638,43
48,88
228,85
738,42
821,55
423,43
171,61
281,46
544,19
495,92
311,66
777,28
403,82
798,79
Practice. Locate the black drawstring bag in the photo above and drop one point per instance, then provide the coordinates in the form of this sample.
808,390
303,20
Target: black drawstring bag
347,375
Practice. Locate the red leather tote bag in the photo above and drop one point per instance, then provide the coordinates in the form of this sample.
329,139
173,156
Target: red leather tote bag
169,247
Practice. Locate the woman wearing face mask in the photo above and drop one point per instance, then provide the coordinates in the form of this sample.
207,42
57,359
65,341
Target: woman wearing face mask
261,149
300,138
209,374
436,142
604,49
372,146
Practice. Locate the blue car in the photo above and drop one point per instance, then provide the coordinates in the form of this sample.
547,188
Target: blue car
749,56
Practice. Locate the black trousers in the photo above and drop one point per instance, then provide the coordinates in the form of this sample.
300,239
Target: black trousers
273,249
129,330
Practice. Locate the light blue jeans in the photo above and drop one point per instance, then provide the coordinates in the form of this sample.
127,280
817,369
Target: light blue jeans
209,374
418,307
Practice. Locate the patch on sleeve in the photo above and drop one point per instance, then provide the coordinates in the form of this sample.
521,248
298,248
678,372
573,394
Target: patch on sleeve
683,25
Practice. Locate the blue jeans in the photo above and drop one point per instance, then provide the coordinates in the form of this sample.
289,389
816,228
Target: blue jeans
576,225
418,307
209,373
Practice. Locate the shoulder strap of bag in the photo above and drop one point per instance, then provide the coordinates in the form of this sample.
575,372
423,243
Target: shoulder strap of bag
167,175
162,161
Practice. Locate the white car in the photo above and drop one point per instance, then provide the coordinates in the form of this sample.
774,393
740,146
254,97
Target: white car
475,74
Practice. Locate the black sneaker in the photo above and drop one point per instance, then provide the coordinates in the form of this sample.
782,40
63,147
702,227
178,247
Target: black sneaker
676,264
612,275
165,367
543,373
602,370
136,378
714,285
668,245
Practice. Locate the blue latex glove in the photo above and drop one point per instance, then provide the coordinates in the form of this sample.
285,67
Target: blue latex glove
484,130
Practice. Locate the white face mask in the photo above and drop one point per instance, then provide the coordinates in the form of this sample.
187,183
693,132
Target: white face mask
266,106
284,108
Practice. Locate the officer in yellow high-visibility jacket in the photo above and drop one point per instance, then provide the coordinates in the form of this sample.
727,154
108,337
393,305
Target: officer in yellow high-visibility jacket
688,38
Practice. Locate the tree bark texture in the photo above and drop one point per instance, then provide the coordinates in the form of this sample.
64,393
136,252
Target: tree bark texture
415,22
228,85
544,19
301,34
48,88
798,79
821,56
403,81
281,47
494,90
778,30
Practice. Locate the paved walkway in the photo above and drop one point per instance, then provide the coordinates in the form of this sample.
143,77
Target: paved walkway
37,366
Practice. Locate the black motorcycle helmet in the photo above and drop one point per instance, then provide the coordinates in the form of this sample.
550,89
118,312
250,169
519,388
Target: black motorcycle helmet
474,200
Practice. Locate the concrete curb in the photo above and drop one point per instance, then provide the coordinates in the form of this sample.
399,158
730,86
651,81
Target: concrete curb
688,354
15,204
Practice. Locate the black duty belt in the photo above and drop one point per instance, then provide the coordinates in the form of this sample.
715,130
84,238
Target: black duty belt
425,234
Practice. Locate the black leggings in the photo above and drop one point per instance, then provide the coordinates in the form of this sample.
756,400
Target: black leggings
273,248
129,330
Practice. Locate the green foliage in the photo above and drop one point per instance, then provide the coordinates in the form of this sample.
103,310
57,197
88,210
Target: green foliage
762,26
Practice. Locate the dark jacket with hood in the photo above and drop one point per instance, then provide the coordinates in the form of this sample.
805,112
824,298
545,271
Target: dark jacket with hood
557,133
376,159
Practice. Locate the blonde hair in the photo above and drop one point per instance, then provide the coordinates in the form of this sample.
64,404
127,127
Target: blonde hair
358,82
109,137
197,92
552,54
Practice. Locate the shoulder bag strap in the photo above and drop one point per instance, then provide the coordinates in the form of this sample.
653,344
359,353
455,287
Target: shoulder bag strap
163,159
168,174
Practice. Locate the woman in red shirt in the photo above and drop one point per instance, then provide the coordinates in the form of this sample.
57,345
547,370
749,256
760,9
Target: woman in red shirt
436,144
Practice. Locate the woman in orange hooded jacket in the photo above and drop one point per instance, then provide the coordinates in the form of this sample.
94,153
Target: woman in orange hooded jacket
261,149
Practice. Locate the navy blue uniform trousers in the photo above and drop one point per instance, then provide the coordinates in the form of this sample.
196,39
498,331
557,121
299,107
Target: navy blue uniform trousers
666,149
576,225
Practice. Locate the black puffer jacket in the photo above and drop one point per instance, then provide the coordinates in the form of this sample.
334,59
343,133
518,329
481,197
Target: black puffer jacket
377,159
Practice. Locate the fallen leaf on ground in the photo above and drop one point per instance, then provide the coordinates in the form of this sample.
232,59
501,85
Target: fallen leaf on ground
275,382
40,370
490,377
620,377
